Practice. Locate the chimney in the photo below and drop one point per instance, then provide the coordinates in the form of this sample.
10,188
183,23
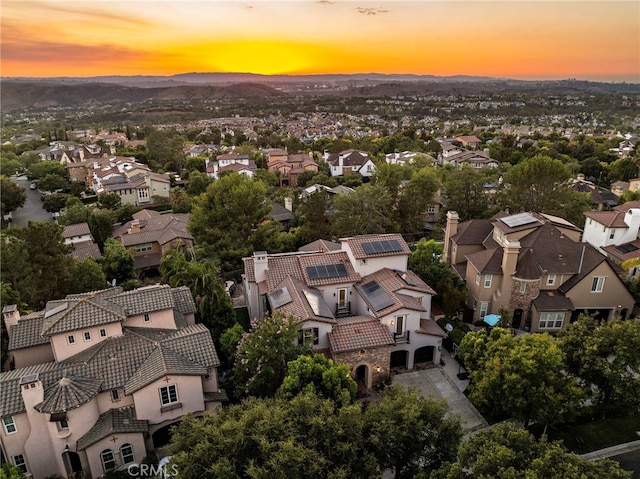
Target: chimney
580,177
260,265
288,203
11,316
510,257
135,227
450,230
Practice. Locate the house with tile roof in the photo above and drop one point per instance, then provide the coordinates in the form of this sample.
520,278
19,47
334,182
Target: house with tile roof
101,377
288,166
358,303
536,267
350,161
476,159
80,237
150,234
231,162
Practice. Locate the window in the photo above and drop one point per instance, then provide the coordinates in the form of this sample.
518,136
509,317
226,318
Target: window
431,209
126,451
115,395
523,287
342,298
108,460
612,234
598,284
500,235
478,277
551,320
551,279
147,318
87,335
141,248
169,394
399,325
484,307
62,424
103,333
487,280
20,463
71,339
308,335
9,425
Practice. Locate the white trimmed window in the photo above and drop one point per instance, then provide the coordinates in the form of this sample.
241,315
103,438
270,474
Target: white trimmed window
71,339
87,335
141,248
103,333
115,395
523,287
126,452
478,277
597,285
551,279
484,307
552,320
108,460
400,323
488,278
147,318
309,336
20,463
169,395
9,425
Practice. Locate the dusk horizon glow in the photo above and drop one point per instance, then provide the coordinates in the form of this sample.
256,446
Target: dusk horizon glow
523,40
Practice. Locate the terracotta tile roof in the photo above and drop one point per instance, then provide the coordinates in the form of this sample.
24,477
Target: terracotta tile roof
10,392
355,244
146,299
359,332
28,332
299,306
72,314
320,246
389,281
627,206
155,228
79,229
114,421
183,300
68,393
610,219
85,250
430,327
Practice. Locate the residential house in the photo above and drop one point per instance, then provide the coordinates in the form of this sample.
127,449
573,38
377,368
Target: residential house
477,159
359,304
536,267
350,161
408,158
289,166
80,237
101,378
233,162
281,214
448,148
470,141
601,198
150,234
619,187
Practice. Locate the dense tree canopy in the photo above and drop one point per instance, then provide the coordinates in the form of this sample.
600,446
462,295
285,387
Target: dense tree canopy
368,210
12,196
464,193
117,263
507,452
519,376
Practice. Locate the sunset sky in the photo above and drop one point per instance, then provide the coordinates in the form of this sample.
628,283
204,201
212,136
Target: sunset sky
593,40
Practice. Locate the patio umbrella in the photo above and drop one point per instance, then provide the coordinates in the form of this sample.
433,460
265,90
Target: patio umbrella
491,319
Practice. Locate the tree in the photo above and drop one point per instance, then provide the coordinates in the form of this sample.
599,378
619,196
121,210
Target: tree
101,226
180,201
53,183
55,202
75,212
117,263
519,376
464,193
41,169
109,201
314,218
506,451
538,184
321,376
426,262
263,355
198,183
604,356
408,432
229,342
87,276
414,199
226,215
303,438
12,196
188,267
368,210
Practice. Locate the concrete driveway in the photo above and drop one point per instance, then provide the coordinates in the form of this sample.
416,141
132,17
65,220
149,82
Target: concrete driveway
441,382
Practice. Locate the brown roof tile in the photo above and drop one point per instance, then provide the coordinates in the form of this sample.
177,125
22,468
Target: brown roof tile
359,332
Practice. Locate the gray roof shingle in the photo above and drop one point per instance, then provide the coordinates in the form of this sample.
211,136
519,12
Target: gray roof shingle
68,393
112,422
28,332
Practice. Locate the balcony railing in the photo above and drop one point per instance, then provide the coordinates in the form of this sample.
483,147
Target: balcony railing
343,309
401,337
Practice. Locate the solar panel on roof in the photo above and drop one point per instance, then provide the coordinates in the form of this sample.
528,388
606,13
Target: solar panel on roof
382,246
376,296
318,304
626,248
279,297
518,220
326,271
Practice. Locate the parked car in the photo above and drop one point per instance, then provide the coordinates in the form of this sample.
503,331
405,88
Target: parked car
32,186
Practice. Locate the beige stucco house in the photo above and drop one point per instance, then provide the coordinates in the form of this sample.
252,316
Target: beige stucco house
358,304
101,377
535,266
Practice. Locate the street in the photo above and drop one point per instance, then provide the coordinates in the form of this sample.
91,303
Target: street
32,209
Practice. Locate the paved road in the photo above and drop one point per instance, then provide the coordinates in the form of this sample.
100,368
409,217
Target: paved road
630,461
32,209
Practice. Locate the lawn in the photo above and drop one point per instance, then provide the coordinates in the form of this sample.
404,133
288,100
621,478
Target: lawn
595,434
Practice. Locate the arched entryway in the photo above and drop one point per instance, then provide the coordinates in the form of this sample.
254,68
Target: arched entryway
516,321
399,359
72,463
162,436
424,354
362,376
